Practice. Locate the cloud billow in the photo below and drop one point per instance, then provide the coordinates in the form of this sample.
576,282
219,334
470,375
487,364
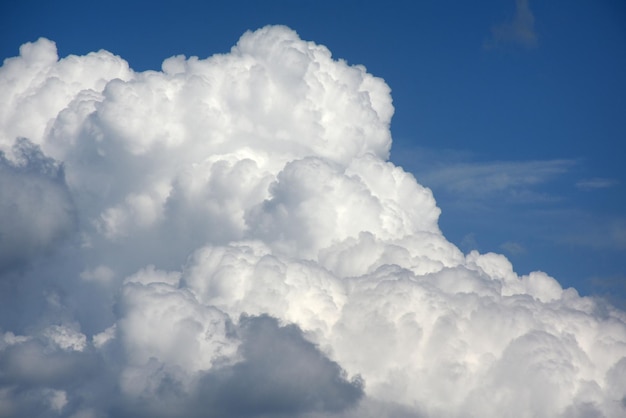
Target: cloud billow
227,237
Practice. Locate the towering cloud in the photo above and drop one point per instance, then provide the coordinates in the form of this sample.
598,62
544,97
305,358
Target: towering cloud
226,237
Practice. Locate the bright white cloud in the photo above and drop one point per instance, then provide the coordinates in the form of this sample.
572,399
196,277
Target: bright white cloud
227,235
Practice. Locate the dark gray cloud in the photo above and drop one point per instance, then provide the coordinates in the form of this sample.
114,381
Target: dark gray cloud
296,377
53,374
36,206
279,374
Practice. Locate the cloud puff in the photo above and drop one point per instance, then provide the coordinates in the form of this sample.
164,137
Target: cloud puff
227,236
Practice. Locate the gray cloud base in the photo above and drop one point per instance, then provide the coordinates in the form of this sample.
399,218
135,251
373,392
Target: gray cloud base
37,208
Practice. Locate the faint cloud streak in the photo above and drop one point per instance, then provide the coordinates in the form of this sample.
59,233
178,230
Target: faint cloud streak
514,179
469,242
595,183
587,230
513,248
519,31
611,289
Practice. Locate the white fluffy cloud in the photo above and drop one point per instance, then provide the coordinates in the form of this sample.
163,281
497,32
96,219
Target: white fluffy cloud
226,235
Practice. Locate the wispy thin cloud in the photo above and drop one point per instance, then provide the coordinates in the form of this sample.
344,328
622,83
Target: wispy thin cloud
611,288
513,179
469,242
588,230
595,183
513,248
518,31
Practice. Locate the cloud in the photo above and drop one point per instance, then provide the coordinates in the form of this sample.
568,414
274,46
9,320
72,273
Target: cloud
595,183
513,181
469,242
37,207
587,230
600,233
612,288
519,31
513,248
298,377
227,236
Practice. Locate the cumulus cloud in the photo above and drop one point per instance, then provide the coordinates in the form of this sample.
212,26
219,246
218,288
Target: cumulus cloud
226,236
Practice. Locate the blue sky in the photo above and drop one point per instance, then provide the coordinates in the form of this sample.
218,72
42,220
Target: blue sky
513,113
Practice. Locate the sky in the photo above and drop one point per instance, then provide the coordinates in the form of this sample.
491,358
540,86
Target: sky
362,209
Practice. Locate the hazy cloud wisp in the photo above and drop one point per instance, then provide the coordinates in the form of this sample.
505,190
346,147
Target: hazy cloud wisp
519,31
